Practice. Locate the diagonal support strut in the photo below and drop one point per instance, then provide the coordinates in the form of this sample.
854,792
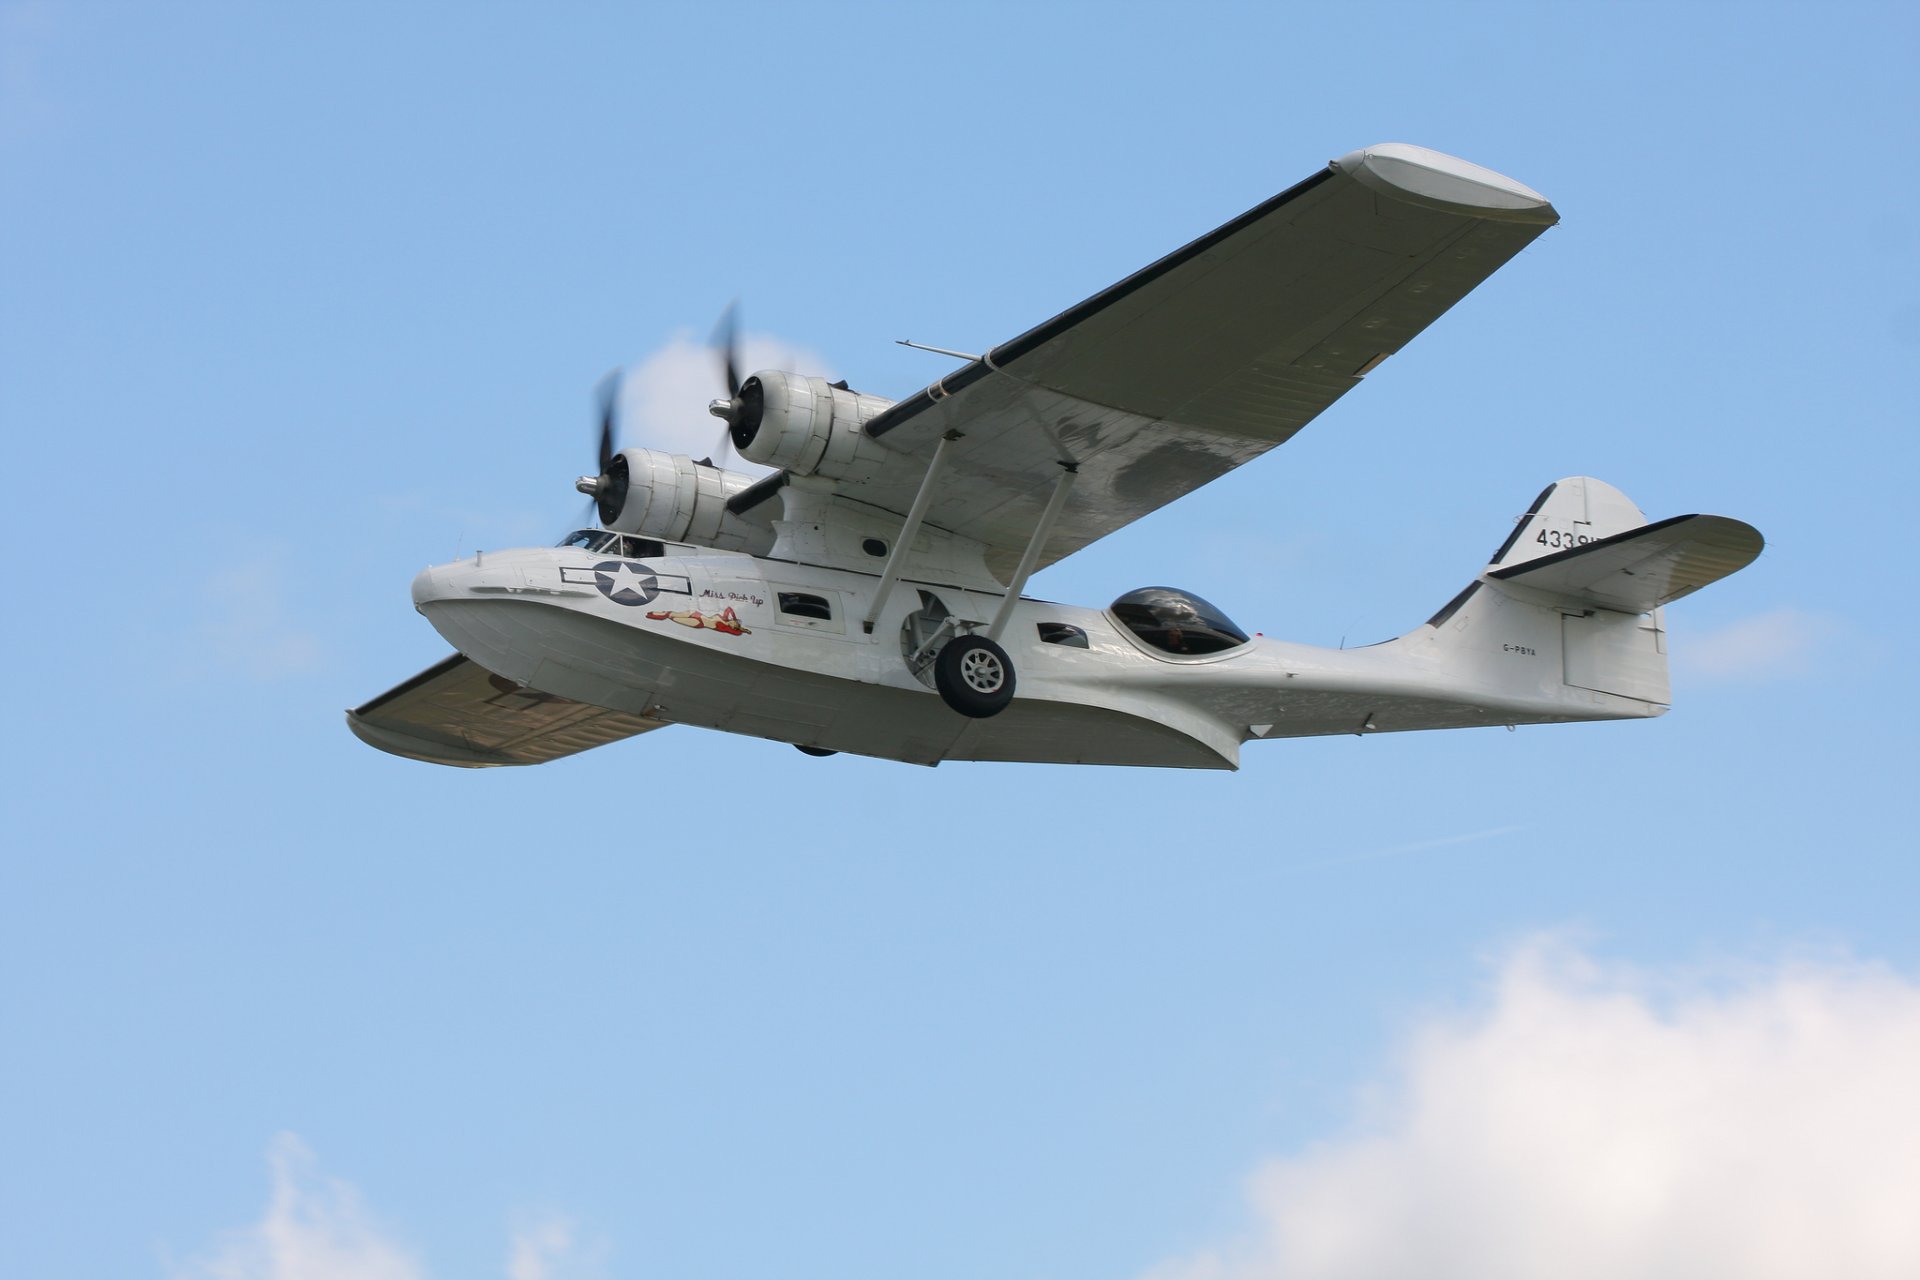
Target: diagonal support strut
908,532
1035,545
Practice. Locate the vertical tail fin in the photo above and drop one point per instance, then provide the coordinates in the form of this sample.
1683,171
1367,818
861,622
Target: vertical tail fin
1571,605
1568,513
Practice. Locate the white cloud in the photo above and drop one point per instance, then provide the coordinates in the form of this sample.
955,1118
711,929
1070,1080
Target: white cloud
316,1228
1595,1122
232,622
664,398
542,1248
1765,646
251,629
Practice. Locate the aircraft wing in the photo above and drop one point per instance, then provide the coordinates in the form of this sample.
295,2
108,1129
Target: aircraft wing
456,712
1205,359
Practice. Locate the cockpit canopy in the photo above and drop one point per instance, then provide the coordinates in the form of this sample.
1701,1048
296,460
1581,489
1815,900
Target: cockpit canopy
1177,621
606,542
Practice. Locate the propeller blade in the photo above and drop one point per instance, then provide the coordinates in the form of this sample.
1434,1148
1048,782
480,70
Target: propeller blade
726,340
609,393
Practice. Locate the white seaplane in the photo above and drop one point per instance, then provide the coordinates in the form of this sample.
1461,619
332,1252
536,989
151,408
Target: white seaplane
866,597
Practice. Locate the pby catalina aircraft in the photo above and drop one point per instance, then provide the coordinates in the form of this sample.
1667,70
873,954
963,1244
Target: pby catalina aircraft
866,597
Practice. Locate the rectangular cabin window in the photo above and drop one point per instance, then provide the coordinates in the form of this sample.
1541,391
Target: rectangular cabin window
812,610
804,604
640,548
1062,633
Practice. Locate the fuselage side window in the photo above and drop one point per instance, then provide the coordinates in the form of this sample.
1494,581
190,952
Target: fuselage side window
804,604
641,548
1062,633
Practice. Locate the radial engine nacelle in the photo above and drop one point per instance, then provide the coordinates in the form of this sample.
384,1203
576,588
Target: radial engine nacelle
671,497
808,426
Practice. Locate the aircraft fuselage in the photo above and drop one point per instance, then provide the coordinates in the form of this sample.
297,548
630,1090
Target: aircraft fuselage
778,650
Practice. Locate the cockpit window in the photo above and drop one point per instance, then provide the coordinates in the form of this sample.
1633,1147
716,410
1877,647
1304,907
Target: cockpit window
606,542
1177,621
589,539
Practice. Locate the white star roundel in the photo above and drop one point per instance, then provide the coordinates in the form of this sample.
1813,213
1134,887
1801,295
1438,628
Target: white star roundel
621,583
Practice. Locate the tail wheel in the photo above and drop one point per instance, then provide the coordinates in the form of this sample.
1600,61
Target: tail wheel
974,676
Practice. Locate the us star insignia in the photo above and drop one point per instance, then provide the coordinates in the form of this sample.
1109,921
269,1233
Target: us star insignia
621,583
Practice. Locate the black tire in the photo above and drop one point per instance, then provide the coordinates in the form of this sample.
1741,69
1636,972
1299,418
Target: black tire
974,676
815,751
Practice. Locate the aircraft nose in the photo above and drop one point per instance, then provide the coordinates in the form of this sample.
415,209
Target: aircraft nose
436,582
488,573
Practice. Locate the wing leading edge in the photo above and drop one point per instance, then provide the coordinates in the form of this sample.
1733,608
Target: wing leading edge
1207,358
456,712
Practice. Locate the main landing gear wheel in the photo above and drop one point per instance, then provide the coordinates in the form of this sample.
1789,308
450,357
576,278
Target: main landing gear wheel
974,676
822,752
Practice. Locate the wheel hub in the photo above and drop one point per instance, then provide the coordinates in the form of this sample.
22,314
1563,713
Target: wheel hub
982,672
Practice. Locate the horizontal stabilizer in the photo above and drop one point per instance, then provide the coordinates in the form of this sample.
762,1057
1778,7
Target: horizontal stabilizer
1641,569
456,712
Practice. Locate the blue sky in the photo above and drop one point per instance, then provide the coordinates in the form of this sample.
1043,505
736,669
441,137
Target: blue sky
298,300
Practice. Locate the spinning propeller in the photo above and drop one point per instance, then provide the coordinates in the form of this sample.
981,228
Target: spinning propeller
744,405
608,489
